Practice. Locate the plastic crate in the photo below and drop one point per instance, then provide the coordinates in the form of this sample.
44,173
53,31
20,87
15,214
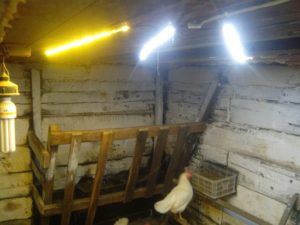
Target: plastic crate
214,181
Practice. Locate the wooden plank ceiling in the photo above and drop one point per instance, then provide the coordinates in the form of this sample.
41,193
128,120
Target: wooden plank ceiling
41,24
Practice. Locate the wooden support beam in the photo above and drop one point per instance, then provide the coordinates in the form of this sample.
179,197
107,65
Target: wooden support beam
160,146
136,163
105,146
175,158
36,102
70,180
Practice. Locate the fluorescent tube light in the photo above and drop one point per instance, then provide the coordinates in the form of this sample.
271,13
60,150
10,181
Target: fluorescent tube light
234,44
158,40
85,40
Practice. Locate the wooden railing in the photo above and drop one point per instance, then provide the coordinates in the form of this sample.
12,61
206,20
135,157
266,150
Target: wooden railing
44,166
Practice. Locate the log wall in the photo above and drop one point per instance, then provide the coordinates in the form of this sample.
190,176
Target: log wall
15,171
76,98
254,128
80,98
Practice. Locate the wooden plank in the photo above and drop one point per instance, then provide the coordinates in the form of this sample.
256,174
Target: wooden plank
107,108
36,102
136,163
94,122
47,191
98,180
266,75
265,144
256,92
81,204
175,158
39,175
70,180
256,204
98,97
40,152
39,203
262,114
100,72
59,138
270,179
160,146
51,85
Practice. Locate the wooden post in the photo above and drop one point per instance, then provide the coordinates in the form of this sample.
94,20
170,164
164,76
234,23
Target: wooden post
156,160
36,102
175,159
70,180
105,146
136,163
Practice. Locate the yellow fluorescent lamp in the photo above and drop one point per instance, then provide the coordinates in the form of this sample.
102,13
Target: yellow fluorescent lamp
85,40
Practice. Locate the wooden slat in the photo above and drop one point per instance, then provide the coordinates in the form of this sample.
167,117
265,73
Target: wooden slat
70,180
83,203
175,159
38,149
38,173
47,191
136,163
59,138
39,203
105,146
289,208
156,160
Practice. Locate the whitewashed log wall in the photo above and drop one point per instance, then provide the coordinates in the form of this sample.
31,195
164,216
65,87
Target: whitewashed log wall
107,96
15,168
254,129
76,98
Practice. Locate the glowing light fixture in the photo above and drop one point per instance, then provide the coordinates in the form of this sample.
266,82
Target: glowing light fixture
234,44
85,40
158,40
8,112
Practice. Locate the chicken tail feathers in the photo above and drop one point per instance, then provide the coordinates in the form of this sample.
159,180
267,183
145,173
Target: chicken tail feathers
162,206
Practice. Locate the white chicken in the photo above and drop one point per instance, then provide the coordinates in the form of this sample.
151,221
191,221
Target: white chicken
122,221
179,197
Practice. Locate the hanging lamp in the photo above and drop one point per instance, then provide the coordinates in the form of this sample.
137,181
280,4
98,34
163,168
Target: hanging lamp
8,111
